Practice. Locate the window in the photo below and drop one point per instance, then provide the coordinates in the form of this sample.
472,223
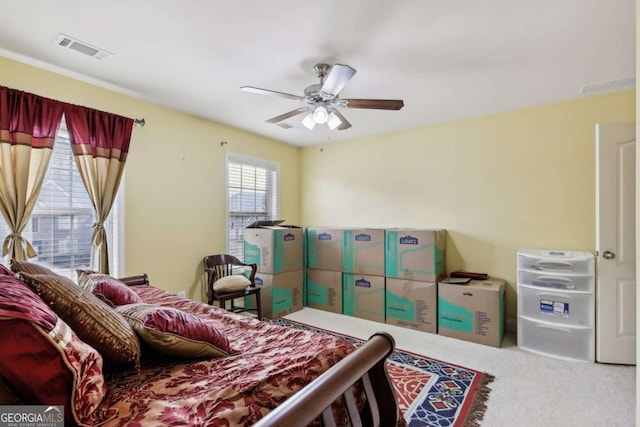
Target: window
61,222
252,195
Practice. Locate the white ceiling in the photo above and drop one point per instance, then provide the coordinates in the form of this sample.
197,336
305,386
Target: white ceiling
447,60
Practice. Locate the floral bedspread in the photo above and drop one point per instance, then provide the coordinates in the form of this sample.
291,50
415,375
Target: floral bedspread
273,363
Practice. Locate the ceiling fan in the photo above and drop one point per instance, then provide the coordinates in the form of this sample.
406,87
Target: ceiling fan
323,100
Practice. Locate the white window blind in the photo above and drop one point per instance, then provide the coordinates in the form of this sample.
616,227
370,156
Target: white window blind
252,195
60,225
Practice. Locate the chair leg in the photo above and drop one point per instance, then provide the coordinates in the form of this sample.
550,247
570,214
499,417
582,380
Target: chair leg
258,306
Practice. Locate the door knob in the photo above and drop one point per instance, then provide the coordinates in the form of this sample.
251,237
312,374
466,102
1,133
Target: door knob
608,255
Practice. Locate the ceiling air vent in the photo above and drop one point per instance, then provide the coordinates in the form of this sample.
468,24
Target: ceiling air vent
74,44
610,85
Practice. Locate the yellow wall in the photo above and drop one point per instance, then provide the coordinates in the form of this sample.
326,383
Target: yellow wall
175,186
498,183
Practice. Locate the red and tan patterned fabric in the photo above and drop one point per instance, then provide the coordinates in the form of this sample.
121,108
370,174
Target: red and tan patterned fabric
44,362
274,362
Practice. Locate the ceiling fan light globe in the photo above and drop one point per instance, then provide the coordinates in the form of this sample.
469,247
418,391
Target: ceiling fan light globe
320,115
333,121
308,121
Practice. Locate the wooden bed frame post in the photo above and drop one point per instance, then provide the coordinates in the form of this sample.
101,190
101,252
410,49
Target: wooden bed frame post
367,363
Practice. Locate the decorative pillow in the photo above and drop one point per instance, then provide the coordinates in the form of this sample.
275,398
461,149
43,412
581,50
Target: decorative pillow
108,289
44,362
31,268
95,322
4,270
235,282
176,333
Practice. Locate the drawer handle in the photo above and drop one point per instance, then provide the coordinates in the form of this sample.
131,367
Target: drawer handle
566,331
553,282
553,265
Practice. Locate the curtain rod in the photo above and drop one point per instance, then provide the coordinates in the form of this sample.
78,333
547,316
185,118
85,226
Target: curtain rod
139,122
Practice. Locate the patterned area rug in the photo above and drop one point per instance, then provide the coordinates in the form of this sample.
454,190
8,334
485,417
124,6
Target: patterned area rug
430,392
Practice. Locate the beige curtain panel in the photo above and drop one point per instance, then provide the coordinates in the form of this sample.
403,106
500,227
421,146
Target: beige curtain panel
100,142
28,126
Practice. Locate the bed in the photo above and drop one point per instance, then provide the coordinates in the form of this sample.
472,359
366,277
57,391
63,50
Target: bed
263,374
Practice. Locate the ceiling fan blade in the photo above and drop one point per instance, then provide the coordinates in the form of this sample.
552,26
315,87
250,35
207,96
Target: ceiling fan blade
284,116
271,92
338,77
344,122
376,104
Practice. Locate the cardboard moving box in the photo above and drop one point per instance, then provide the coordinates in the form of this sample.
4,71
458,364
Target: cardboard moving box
363,251
411,304
274,247
473,311
324,248
415,254
363,296
280,294
324,290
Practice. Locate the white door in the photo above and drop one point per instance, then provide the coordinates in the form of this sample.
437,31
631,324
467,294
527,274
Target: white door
615,243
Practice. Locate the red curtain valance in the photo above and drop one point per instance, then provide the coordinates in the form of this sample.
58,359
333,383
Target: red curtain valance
98,134
29,119
93,132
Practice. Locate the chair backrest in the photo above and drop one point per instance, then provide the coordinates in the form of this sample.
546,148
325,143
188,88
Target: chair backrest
221,265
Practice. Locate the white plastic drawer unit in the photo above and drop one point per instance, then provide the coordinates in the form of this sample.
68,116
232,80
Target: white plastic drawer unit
561,262
550,339
562,282
563,308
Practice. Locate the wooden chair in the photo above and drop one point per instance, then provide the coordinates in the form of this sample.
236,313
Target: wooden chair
221,265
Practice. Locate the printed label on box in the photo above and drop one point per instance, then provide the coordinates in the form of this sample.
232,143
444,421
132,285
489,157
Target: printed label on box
400,308
316,293
251,253
455,317
282,299
554,308
363,283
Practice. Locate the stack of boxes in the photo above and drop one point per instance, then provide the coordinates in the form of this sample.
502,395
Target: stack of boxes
393,276
278,250
393,282
323,282
414,262
363,281
345,271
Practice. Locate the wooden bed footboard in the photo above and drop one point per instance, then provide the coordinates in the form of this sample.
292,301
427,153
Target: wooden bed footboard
314,400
